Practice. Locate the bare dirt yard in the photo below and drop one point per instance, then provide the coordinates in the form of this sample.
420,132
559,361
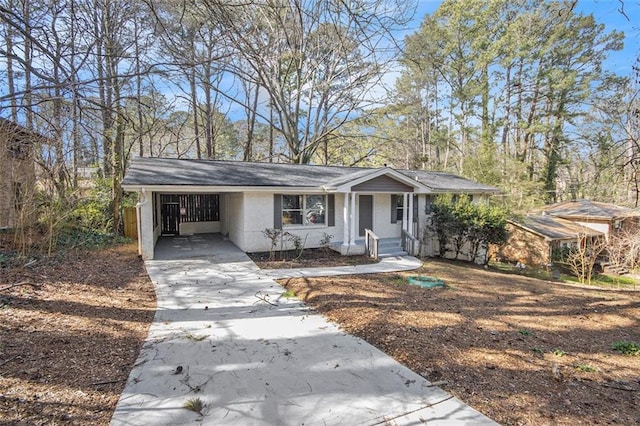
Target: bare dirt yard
309,258
70,334
521,350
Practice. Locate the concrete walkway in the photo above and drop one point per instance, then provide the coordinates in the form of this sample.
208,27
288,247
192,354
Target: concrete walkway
388,264
224,334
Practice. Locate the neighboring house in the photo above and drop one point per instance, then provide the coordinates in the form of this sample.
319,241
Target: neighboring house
242,199
532,239
17,172
606,218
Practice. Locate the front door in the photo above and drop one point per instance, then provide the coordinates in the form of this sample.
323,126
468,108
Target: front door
365,213
170,213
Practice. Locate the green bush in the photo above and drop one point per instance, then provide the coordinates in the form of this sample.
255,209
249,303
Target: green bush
458,221
627,348
90,238
96,211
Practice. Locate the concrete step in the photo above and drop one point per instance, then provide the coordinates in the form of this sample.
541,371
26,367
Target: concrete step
392,254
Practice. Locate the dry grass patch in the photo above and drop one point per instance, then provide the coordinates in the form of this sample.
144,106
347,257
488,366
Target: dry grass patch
68,343
521,350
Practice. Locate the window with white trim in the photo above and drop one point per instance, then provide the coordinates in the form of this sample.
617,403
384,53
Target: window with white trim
304,210
399,207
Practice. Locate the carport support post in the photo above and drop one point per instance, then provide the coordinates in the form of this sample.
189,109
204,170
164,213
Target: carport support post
145,219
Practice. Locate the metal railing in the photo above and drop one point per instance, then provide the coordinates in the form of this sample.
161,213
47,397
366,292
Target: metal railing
409,243
371,242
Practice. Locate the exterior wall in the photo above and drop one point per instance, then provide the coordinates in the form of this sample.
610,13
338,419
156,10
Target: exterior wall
199,227
382,184
382,225
224,214
600,225
234,220
258,215
428,241
525,247
16,168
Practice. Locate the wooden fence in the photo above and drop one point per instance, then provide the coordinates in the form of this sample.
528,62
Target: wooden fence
130,223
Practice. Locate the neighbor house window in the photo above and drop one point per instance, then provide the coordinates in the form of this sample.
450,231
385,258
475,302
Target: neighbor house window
304,209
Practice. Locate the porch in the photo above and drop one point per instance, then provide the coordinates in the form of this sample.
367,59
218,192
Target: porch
387,247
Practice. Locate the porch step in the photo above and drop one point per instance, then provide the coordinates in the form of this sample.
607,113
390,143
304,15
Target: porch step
390,247
387,247
392,254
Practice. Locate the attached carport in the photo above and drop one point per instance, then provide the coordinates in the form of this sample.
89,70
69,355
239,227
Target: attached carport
179,211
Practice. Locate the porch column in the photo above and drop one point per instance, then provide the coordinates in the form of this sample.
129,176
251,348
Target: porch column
410,215
145,220
405,203
345,219
352,226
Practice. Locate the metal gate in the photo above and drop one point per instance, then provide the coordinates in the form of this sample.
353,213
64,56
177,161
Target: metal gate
170,213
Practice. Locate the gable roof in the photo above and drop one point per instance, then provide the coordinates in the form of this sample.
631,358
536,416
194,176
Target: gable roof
151,171
552,228
586,209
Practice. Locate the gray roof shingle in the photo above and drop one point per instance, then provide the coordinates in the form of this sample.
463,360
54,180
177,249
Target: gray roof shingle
554,228
588,209
146,171
443,181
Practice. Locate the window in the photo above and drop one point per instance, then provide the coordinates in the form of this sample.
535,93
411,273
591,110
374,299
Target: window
399,207
19,149
304,210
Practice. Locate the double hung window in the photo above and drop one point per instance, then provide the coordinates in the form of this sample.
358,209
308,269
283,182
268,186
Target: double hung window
304,210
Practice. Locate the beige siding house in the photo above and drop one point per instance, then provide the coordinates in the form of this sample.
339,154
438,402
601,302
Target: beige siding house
604,217
17,173
532,239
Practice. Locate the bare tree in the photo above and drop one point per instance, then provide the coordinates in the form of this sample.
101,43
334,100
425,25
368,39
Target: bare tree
318,62
582,258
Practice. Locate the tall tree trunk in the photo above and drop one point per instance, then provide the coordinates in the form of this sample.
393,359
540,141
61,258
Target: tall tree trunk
28,52
8,39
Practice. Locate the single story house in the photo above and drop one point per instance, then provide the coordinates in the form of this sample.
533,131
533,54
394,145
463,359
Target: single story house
604,217
17,173
533,239
241,200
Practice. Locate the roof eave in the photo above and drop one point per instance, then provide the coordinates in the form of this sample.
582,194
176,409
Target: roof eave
221,188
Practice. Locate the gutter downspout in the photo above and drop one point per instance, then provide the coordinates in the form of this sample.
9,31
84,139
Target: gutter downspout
143,201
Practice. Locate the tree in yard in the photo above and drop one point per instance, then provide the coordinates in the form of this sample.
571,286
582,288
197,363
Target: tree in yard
623,248
493,91
317,63
582,258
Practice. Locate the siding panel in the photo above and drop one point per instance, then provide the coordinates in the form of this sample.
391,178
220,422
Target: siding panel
382,184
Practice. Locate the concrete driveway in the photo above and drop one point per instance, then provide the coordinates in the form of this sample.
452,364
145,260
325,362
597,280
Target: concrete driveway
224,334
